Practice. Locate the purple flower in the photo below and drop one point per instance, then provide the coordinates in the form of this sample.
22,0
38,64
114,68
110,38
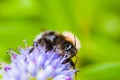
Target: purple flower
37,65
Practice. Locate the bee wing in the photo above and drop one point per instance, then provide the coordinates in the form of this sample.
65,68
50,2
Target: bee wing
42,33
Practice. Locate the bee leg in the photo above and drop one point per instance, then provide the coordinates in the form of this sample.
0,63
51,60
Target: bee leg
49,48
34,45
72,64
49,45
31,50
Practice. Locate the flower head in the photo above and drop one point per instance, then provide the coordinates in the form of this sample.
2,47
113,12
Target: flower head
38,65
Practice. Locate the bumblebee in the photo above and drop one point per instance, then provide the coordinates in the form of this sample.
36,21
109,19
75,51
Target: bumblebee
64,44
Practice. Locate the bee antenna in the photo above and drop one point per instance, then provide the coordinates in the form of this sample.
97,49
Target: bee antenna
75,40
25,42
77,70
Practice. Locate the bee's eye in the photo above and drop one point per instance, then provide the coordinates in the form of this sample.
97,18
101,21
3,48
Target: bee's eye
68,47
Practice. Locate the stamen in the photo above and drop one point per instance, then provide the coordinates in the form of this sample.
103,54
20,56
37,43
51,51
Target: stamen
25,42
10,52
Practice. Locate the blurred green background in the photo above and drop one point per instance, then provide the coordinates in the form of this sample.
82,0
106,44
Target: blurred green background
95,22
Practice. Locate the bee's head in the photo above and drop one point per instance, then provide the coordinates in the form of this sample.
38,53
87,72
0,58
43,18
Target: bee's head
70,49
74,40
